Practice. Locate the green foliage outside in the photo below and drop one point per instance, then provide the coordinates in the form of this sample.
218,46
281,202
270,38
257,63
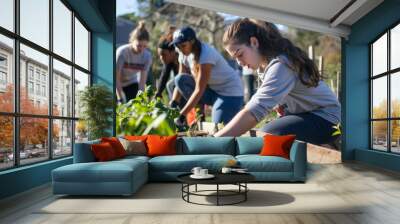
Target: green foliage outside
97,105
146,115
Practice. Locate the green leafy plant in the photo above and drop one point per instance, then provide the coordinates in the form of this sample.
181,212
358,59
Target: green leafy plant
146,114
97,103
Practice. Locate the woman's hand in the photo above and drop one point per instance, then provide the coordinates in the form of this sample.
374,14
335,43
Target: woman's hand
180,122
242,122
201,85
280,109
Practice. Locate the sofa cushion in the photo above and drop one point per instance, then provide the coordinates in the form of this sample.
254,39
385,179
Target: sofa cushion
185,163
257,163
206,145
134,147
116,145
248,145
103,152
132,158
112,171
83,152
277,145
161,145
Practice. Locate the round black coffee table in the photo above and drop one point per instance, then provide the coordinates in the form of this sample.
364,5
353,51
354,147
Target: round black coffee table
238,179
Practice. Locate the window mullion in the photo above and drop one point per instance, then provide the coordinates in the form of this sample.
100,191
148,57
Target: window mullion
371,144
50,81
389,106
73,82
16,84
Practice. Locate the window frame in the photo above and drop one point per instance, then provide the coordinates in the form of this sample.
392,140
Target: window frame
16,114
388,74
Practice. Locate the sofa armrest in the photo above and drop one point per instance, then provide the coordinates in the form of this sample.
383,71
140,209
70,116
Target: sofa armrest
298,155
83,152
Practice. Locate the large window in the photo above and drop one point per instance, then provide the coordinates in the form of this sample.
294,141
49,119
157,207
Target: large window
385,92
44,64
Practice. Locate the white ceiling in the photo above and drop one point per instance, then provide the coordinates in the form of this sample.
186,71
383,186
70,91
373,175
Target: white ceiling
320,9
315,15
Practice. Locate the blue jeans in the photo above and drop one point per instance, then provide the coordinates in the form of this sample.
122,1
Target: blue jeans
224,108
307,127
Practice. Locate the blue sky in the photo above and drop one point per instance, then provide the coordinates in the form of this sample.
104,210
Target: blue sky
126,6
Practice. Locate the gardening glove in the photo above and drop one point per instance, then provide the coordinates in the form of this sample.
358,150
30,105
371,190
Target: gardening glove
180,123
173,104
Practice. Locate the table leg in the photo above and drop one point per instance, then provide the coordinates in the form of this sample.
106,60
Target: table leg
196,188
217,194
245,191
188,189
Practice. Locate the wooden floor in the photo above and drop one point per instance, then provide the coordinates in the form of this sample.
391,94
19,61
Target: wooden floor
378,189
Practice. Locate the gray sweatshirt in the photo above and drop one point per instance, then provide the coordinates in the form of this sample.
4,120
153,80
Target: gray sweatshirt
281,85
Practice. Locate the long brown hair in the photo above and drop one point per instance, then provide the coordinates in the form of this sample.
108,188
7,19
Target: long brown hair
271,45
196,50
139,33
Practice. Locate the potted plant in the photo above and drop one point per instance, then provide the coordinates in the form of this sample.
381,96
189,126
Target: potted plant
97,104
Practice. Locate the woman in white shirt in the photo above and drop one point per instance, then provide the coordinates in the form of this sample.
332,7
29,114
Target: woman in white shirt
133,64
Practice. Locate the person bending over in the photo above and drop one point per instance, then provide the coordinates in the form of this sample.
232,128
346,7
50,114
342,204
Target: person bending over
205,77
290,81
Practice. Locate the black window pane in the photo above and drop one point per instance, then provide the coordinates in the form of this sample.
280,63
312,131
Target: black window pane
81,82
35,21
395,47
6,142
6,74
81,131
7,14
62,29
62,89
379,135
33,140
81,45
379,55
395,95
34,97
395,136
379,97
62,138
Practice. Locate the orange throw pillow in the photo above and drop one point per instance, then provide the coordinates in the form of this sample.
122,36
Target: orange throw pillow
277,145
116,145
161,145
103,151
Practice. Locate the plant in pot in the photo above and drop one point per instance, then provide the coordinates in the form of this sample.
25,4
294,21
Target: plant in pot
97,105
146,114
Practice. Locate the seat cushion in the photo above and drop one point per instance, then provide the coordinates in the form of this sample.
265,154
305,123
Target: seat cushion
112,171
257,163
206,145
185,163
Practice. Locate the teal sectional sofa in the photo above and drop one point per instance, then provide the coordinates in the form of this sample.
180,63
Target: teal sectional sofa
125,176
